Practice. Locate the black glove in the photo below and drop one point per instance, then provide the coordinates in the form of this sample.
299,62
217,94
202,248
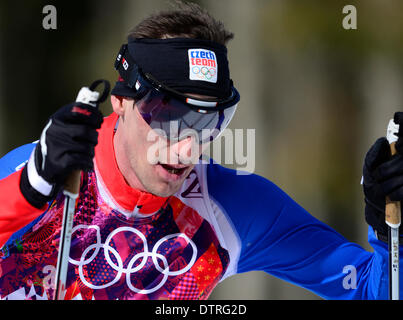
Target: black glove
67,143
383,176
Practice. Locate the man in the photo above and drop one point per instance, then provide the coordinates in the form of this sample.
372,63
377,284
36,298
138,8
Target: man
154,225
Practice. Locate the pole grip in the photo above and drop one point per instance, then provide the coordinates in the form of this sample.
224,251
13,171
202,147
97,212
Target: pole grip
72,183
392,212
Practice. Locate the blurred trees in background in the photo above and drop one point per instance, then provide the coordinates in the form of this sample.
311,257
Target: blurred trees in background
317,95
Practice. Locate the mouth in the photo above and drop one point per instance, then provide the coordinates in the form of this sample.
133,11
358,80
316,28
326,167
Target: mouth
177,170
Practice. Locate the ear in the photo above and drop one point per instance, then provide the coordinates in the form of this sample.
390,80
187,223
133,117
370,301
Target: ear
117,105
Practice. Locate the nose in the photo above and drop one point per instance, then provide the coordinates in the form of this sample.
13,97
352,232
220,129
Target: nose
185,151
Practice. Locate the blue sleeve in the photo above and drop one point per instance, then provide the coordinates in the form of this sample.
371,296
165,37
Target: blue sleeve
10,163
15,159
281,238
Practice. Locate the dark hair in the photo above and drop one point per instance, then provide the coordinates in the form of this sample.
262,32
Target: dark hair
185,20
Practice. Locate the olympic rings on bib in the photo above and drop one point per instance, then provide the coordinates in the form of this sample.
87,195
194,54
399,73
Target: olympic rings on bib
129,270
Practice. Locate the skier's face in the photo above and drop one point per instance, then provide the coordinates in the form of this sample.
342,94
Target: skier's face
147,161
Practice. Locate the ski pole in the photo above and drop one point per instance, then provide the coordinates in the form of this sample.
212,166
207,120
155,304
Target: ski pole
393,219
71,192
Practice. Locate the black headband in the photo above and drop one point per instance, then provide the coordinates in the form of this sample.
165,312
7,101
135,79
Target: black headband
183,64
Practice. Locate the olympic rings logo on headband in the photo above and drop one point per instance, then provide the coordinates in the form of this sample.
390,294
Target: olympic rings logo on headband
143,256
204,71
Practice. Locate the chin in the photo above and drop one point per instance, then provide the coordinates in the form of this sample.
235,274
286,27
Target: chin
165,192
162,188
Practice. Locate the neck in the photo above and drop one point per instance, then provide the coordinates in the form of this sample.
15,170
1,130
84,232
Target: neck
123,162
113,168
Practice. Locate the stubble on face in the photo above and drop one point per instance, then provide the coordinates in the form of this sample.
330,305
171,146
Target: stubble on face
131,147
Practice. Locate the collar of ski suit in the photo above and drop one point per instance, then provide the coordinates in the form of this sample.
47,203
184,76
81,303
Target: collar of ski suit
126,197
